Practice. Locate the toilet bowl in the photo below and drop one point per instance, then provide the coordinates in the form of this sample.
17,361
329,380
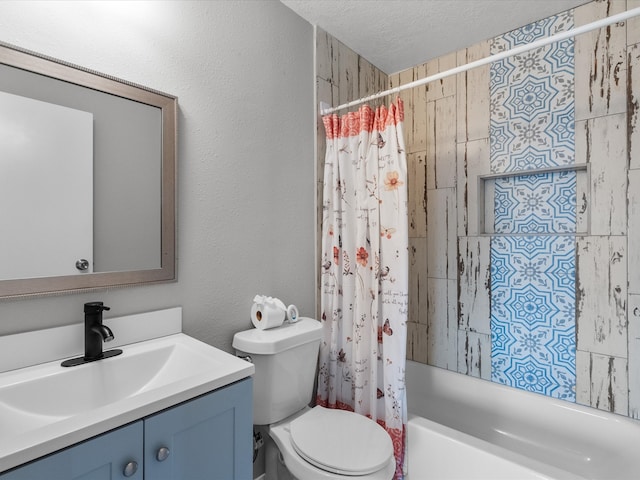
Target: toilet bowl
315,443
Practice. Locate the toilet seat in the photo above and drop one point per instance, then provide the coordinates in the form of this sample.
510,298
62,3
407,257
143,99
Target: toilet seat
304,470
341,442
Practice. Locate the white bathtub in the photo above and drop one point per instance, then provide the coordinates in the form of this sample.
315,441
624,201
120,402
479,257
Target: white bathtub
465,428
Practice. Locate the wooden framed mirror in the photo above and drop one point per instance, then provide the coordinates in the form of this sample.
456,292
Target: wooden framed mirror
119,196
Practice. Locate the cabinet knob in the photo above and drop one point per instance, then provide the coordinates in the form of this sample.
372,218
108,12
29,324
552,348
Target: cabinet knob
130,469
162,454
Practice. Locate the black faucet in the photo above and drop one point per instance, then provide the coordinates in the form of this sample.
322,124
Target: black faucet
94,334
94,331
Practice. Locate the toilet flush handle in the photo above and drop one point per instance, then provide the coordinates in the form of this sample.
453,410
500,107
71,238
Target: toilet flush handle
246,357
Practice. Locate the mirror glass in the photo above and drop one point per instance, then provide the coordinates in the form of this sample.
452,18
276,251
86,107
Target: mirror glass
87,188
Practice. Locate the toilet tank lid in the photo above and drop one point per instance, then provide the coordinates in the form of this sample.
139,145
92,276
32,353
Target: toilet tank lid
276,340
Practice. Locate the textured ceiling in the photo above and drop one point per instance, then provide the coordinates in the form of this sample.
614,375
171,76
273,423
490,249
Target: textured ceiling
398,34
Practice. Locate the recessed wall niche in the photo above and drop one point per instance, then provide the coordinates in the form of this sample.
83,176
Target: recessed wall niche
546,201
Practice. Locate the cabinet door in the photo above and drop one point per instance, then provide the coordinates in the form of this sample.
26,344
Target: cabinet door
101,458
206,438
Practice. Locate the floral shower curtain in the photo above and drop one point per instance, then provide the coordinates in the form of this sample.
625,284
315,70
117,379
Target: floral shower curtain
365,269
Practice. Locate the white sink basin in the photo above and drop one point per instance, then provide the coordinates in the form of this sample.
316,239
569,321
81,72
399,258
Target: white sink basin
53,391
47,407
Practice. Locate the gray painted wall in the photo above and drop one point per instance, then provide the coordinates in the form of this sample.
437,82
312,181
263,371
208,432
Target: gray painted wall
243,75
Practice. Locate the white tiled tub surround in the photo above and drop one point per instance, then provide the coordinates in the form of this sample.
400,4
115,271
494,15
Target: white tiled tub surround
587,349
466,428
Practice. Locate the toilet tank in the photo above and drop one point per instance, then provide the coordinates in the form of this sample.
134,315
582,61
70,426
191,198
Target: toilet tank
285,360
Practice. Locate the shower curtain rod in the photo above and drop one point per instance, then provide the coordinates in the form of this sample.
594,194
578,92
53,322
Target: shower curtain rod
492,58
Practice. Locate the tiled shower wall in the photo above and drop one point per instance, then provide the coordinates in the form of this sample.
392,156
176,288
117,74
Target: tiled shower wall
462,243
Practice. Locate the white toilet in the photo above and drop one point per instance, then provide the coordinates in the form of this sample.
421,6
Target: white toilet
315,443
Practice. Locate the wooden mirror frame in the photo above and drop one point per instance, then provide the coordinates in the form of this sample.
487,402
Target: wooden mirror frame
33,62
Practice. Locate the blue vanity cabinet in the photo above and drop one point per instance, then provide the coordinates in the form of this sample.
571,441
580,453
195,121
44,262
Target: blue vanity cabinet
102,458
209,437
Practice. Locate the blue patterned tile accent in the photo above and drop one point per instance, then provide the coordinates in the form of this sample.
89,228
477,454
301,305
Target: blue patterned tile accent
539,203
532,100
533,313
532,127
